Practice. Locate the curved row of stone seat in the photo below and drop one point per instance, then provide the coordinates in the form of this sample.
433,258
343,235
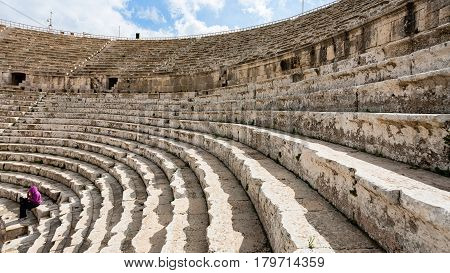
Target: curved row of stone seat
41,52
12,114
233,223
11,229
132,196
15,105
101,180
127,178
349,73
217,211
360,72
269,194
433,210
47,215
415,139
229,215
239,47
80,219
144,239
218,225
356,177
185,191
20,96
123,156
158,212
407,94
88,195
402,137
62,195
397,145
228,206
16,102
8,214
183,233
400,95
68,201
369,67
245,105
330,124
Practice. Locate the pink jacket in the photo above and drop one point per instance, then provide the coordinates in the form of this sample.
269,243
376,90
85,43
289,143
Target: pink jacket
34,195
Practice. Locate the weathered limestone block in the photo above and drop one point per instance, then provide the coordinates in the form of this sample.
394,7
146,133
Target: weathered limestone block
325,167
414,139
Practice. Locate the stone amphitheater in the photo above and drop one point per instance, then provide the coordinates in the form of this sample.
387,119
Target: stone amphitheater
327,132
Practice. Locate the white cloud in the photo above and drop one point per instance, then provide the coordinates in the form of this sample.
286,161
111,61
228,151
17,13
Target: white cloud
184,12
151,13
282,3
104,17
95,17
258,7
193,6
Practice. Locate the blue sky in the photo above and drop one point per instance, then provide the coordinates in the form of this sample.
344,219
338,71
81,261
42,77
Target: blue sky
155,18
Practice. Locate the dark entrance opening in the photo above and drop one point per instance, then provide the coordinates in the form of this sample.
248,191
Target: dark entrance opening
112,82
17,78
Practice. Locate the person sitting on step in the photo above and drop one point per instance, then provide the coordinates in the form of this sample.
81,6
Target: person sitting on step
33,200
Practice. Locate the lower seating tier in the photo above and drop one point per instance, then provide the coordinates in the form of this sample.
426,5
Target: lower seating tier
190,217
344,177
308,199
415,139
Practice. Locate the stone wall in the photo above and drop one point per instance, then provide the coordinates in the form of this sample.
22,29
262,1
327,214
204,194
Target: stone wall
403,29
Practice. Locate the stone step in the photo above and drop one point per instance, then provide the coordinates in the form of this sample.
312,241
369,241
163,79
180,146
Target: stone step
9,217
99,177
284,243
234,225
4,126
62,195
19,97
8,119
118,153
418,93
120,171
357,178
405,67
130,222
216,181
17,102
221,211
13,192
56,191
90,199
11,227
370,175
237,195
158,211
229,208
46,214
12,114
303,241
14,108
423,93
415,139
178,175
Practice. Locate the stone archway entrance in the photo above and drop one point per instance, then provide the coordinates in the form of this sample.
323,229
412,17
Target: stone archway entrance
112,82
18,78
